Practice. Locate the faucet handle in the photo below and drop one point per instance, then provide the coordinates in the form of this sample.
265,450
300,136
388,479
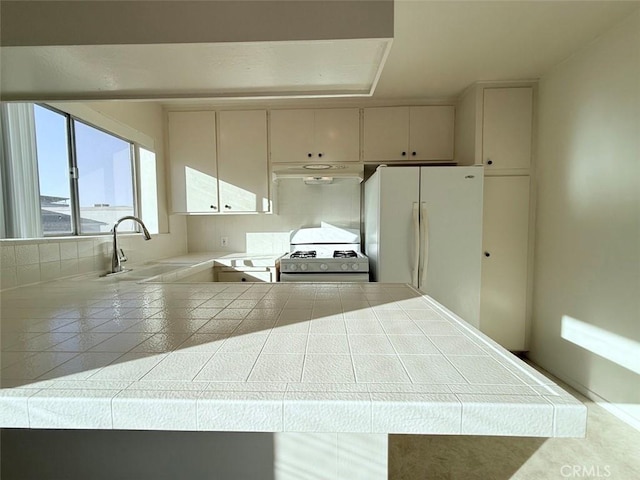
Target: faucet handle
121,255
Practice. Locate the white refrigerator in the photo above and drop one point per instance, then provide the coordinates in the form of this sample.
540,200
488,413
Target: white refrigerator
423,226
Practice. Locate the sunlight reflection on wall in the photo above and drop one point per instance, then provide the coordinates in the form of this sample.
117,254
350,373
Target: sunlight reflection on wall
620,350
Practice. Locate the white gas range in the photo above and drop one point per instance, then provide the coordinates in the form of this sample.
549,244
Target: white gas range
324,254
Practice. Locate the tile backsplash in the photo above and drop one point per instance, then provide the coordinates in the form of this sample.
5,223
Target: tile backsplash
29,261
296,205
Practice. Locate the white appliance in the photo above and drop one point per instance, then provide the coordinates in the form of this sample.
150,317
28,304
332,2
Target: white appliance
324,254
423,226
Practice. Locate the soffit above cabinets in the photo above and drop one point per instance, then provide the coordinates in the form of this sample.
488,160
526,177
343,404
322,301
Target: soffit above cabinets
90,50
230,70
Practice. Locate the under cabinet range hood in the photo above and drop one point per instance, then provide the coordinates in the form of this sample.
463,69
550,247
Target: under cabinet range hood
318,174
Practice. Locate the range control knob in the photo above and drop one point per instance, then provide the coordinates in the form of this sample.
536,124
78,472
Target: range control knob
293,267
355,266
303,267
344,266
324,266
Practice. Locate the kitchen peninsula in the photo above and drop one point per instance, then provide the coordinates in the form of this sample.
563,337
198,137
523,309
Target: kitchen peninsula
346,363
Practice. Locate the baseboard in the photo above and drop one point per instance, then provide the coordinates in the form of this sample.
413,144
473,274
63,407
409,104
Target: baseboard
610,407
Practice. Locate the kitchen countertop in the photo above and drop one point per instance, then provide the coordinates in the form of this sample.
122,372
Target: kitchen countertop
323,357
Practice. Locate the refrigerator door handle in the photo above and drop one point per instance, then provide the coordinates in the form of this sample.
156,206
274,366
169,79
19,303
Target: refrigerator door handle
416,245
424,233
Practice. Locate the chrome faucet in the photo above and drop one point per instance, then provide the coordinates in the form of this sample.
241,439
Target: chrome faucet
118,255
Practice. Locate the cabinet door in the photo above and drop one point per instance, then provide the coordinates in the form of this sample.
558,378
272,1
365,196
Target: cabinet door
242,161
503,299
240,276
292,136
431,132
506,136
386,134
337,135
192,156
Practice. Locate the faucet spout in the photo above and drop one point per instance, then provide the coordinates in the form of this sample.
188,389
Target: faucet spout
117,256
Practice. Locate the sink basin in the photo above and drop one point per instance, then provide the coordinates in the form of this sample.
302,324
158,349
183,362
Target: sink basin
198,273
153,270
137,273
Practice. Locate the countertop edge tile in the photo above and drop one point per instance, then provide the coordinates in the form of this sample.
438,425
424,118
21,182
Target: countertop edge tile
69,409
155,410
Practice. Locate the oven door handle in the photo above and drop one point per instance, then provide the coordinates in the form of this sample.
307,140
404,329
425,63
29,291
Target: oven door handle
424,227
416,245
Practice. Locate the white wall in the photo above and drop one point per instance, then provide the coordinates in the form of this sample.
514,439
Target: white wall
297,205
29,261
587,258
147,118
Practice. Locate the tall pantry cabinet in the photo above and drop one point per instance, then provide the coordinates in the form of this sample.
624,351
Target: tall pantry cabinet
495,129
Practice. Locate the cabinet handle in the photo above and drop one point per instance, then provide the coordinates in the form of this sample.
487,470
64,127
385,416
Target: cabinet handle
489,162
487,254
243,279
404,154
414,153
309,155
214,207
320,154
228,207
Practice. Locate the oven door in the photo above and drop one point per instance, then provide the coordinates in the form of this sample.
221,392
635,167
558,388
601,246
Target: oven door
324,277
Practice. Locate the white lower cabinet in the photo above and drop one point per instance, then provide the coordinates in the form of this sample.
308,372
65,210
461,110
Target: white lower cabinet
253,275
503,299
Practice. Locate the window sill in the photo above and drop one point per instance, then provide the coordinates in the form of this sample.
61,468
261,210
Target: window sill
70,238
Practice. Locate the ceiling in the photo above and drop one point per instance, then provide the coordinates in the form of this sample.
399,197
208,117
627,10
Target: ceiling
439,48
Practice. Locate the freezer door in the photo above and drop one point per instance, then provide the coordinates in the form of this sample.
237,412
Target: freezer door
451,238
391,195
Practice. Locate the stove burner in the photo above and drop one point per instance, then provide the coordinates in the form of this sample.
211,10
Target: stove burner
344,254
303,254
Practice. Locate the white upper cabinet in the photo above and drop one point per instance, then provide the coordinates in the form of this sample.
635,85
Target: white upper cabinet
507,122
386,133
192,155
408,134
337,135
315,136
431,132
242,161
236,180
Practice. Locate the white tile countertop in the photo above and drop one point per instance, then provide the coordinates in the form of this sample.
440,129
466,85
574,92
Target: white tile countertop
366,358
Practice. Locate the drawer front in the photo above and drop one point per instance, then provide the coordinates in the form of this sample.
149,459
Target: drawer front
244,276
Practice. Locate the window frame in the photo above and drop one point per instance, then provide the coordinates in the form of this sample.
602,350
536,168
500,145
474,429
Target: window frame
74,174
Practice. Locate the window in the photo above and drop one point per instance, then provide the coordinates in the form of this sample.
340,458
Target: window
52,147
82,180
105,178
